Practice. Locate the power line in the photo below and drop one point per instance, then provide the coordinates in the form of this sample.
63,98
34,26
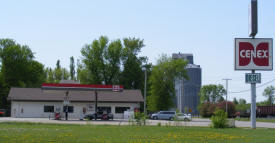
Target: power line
242,91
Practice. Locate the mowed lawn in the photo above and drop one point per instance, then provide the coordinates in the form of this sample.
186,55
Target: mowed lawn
36,133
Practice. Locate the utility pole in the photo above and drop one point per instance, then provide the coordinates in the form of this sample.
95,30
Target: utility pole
180,91
145,111
226,79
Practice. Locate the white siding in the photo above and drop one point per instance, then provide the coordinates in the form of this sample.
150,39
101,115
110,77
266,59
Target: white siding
36,109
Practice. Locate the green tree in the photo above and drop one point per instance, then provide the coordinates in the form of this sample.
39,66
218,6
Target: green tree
18,67
50,75
58,66
212,93
269,93
72,68
102,61
83,74
132,76
65,74
235,101
242,101
162,82
58,74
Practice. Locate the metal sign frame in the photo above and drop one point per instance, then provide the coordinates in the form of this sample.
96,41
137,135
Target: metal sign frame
255,42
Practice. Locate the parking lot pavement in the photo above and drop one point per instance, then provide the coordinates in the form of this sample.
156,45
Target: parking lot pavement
70,121
195,122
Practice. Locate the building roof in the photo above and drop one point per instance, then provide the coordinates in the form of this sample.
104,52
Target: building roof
192,66
69,81
37,94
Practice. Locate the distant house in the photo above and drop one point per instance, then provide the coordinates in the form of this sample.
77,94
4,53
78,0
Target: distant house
35,102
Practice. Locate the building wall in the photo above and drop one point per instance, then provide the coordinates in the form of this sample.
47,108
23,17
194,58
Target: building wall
36,109
190,88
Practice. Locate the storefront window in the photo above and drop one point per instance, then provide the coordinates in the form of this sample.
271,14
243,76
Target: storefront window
49,109
104,109
122,109
70,109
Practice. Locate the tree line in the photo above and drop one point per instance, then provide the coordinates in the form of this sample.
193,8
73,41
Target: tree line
211,99
102,61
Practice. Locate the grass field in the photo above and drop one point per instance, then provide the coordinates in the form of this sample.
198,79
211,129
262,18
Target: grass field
36,133
258,120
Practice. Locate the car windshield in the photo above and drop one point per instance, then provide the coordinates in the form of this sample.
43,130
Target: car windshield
181,114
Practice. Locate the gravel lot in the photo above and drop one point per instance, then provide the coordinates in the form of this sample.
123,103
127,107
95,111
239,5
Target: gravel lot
194,122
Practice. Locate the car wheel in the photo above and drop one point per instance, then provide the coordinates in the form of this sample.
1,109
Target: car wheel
171,118
155,117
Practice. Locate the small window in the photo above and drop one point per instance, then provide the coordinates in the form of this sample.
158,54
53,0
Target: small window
70,109
121,109
169,112
48,109
104,109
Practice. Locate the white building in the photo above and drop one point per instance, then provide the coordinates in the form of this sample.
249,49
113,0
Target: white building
35,102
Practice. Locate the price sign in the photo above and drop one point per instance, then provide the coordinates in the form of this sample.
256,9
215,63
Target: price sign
253,78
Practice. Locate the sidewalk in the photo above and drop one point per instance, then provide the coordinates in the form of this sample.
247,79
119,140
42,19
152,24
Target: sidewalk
195,122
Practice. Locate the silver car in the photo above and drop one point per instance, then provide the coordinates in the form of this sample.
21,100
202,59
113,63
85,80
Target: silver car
164,115
184,117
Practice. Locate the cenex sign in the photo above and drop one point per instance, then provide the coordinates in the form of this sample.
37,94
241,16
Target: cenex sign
253,54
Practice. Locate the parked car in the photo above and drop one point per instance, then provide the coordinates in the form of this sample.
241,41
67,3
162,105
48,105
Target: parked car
183,117
100,115
164,115
2,112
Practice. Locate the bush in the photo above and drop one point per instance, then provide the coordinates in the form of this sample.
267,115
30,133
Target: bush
159,124
207,109
231,109
140,118
219,119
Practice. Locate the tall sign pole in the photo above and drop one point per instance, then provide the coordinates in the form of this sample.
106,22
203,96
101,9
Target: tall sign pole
253,54
253,104
253,18
254,31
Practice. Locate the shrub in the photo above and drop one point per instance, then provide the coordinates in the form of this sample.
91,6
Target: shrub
219,119
159,124
140,118
231,109
207,109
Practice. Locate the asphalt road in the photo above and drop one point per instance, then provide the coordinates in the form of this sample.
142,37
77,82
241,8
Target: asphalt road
194,122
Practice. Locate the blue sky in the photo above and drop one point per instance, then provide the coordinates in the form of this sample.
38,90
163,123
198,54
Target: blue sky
207,28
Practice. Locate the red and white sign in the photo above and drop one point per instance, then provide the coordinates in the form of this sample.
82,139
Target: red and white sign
253,54
116,88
